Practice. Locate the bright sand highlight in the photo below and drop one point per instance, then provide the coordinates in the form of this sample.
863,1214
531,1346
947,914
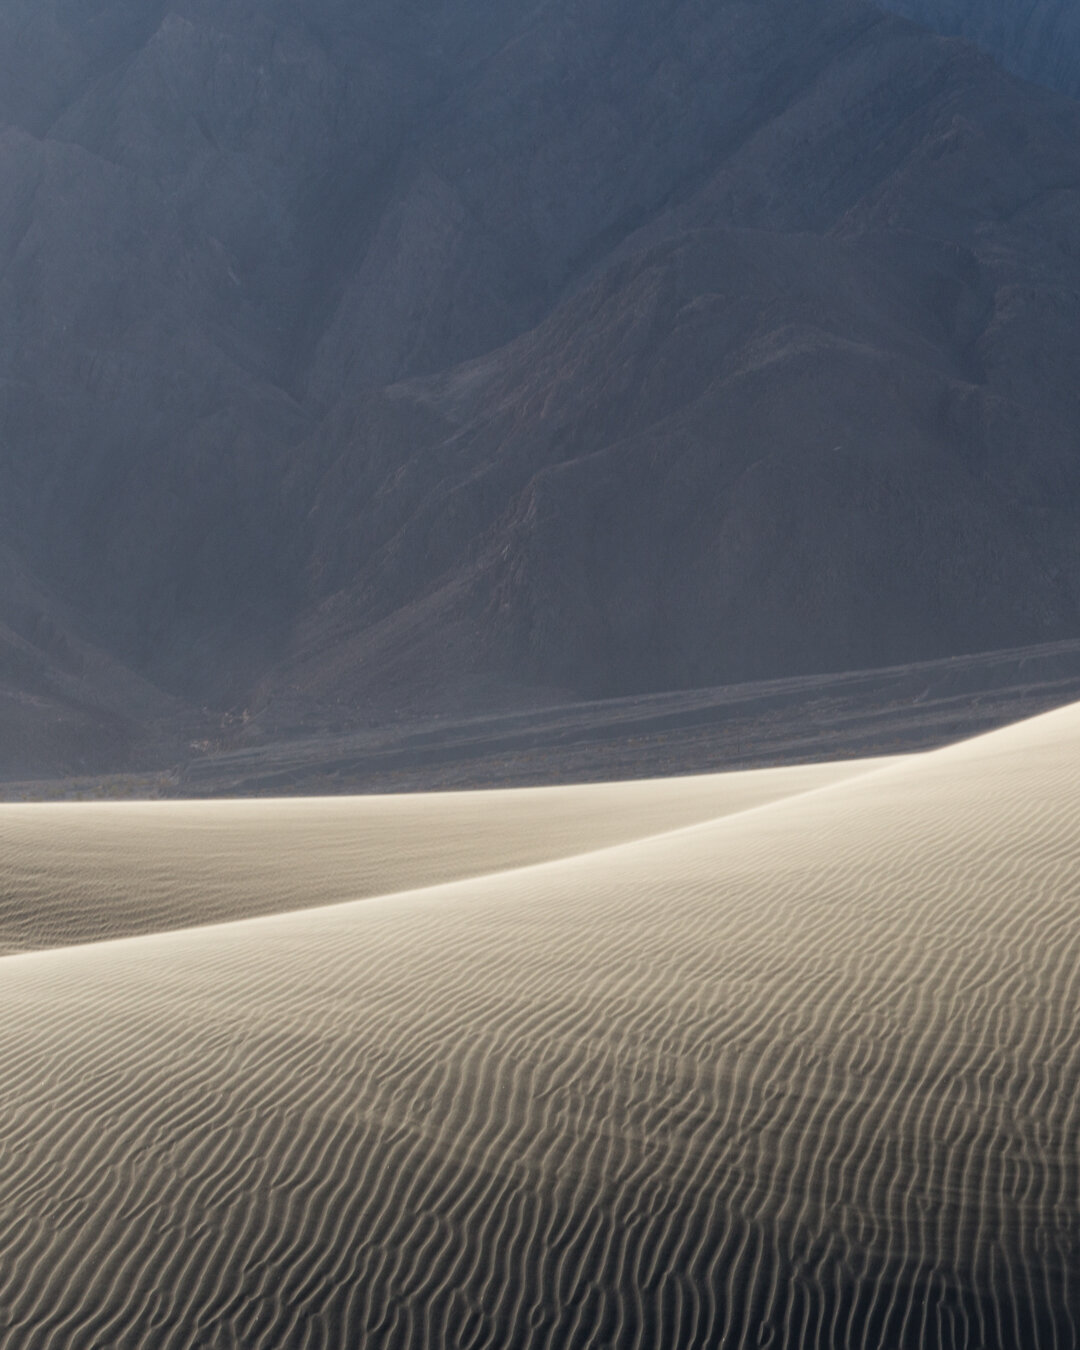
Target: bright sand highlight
783,1058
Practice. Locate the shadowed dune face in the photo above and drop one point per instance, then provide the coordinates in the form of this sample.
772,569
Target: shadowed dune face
114,870
802,1075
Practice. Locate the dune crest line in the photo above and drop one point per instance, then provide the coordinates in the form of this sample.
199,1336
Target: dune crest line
120,869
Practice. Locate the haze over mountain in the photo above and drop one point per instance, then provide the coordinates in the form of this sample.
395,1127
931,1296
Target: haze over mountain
468,354
1039,39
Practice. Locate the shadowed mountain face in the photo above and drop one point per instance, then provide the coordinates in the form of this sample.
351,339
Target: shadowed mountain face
419,356
1038,39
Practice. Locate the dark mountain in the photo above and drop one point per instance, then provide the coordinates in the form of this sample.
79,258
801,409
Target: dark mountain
1038,39
434,355
67,706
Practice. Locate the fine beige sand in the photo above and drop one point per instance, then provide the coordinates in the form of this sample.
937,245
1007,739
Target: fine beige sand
787,1058
87,872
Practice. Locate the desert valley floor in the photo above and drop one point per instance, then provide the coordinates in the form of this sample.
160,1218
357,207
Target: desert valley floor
784,1057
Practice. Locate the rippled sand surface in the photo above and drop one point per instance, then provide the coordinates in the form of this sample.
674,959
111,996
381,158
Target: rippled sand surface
785,1058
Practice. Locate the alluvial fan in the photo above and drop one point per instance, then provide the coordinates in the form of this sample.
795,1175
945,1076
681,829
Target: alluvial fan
800,1074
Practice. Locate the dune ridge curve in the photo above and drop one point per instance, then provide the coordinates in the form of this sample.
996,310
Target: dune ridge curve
804,1076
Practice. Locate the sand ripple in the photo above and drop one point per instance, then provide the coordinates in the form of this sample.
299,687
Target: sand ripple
76,873
802,1074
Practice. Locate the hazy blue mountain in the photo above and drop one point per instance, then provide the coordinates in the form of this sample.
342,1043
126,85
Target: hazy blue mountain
1038,39
453,353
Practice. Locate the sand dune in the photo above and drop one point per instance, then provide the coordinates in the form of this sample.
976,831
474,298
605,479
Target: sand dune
800,1074
88,872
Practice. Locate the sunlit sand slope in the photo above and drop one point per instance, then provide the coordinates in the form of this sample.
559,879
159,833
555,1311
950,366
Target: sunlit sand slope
802,1076
83,873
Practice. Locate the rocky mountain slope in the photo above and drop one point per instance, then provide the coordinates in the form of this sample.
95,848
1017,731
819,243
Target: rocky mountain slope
1038,39
456,355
